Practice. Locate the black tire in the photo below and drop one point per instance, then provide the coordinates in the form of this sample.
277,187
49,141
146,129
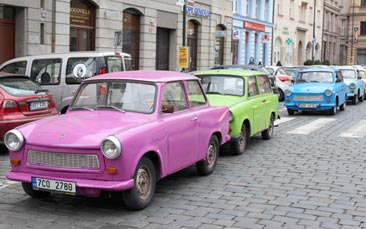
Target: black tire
267,133
333,111
238,147
207,166
290,112
141,195
281,95
27,187
361,98
354,100
343,106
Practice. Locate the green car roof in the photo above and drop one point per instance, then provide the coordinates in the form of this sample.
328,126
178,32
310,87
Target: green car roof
233,71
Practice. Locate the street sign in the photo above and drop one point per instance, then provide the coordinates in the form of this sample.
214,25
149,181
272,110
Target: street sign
183,56
179,2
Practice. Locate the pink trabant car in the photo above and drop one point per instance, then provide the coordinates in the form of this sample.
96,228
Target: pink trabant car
122,133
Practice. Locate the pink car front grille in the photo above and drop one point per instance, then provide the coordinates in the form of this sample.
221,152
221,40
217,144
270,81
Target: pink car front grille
63,160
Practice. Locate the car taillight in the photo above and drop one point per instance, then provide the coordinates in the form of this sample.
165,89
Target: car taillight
10,106
102,71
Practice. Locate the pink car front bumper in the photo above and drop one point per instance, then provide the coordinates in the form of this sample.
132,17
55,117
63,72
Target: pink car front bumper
83,187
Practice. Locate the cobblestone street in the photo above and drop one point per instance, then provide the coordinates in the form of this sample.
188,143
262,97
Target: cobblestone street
314,180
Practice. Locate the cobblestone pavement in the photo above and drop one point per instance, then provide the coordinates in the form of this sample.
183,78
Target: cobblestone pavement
314,179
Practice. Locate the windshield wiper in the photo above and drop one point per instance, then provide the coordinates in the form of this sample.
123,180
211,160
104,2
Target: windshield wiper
112,107
41,90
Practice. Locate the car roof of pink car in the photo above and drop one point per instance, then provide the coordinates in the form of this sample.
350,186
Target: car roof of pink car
146,75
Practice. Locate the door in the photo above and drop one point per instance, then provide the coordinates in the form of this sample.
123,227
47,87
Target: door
192,39
180,126
257,104
162,49
7,40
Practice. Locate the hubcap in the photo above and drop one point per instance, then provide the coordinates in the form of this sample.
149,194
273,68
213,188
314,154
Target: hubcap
211,155
242,141
143,182
271,128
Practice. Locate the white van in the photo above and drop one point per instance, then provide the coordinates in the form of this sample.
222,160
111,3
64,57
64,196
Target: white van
62,73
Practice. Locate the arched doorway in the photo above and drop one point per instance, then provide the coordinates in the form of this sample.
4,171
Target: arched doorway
277,50
219,45
308,51
192,41
82,25
131,35
300,54
317,47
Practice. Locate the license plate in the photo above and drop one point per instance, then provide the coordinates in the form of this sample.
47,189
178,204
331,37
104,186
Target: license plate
307,105
54,185
38,105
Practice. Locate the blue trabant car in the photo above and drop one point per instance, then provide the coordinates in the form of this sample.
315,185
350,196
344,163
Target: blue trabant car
355,84
317,89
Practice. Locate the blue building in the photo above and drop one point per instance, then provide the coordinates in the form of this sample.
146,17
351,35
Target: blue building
252,31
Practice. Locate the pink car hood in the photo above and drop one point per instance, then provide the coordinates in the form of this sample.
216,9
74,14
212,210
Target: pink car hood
80,129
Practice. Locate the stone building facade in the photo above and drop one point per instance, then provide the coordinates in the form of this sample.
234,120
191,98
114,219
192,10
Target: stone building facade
357,32
151,31
335,32
294,30
252,31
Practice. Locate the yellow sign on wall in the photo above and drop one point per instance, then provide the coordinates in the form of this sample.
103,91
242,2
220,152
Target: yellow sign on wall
183,56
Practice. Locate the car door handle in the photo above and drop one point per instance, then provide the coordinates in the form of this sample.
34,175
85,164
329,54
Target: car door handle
195,119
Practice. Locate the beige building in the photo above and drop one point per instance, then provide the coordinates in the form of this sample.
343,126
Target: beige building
335,32
357,32
151,31
294,29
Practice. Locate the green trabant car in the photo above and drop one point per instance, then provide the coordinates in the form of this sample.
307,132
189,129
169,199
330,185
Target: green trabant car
250,98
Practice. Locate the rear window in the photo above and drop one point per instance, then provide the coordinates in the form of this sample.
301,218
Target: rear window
19,86
80,68
114,63
46,71
128,63
17,67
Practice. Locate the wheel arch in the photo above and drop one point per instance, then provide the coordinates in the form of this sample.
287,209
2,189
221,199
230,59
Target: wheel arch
156,160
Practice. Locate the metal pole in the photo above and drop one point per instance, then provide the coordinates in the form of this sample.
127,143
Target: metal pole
353,21
313,42
184,26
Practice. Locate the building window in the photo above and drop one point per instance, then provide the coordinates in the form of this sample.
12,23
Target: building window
82,26
42,34
363,28
279,7
131,35
363,3
235,6
303,8
219,45
291,9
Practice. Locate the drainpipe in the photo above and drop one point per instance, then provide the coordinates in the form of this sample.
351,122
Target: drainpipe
53,36
273,27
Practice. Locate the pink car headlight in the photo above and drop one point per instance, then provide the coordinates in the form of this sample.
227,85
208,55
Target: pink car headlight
111,147
14,140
